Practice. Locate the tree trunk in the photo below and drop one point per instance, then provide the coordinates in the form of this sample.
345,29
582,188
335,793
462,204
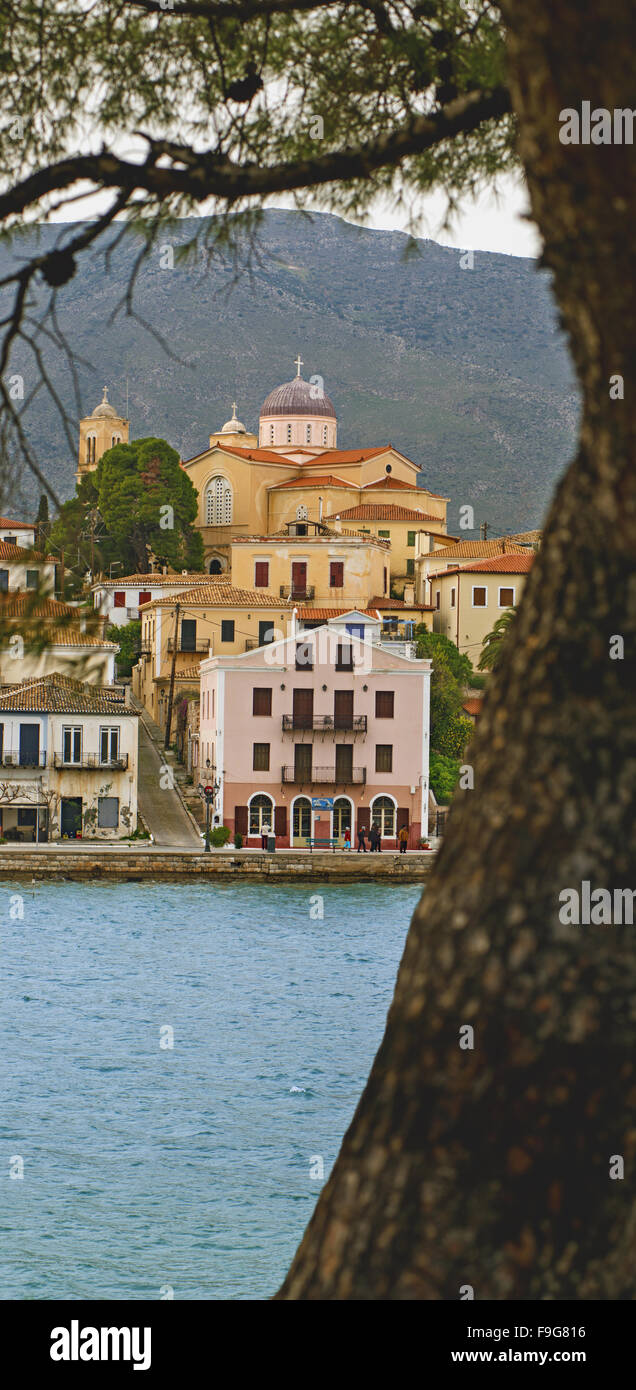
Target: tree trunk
491,1167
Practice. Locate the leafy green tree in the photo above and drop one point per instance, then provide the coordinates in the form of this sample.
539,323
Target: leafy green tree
501,1176
444,773
435,644
42,524
128,638
493,643
138,502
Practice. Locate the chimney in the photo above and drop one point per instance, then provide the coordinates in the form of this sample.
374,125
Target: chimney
320,508
337,525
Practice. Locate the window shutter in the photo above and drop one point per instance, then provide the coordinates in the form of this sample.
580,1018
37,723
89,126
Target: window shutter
280,821
402,818
364,817
240,820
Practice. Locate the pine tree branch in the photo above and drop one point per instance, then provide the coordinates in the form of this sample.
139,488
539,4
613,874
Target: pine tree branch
208,176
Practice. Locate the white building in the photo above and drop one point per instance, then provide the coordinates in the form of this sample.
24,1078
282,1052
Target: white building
68,761
19,571
119,600
17,532
42,636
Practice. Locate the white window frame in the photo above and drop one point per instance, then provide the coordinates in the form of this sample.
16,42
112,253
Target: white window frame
514,596
384,796
72,730
485,589
219,502
113,735
264,818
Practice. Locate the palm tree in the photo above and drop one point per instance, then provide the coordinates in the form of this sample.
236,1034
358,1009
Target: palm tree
493,642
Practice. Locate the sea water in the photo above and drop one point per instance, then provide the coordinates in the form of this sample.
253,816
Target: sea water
180,1062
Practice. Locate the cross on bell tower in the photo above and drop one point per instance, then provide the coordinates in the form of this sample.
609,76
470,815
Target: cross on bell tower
298,364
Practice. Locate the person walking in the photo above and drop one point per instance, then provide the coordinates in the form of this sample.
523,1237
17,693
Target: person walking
362,838
265,832
347,839
374,839
403,838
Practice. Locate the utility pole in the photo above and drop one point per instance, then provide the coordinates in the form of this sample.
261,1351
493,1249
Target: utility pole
483,529
166,743
62,575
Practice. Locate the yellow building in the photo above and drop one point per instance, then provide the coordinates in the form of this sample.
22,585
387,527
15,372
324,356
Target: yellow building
99,432
210,620
468,599
251,485
307,562
399,526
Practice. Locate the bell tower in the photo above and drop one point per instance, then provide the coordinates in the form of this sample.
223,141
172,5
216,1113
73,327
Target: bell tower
99,432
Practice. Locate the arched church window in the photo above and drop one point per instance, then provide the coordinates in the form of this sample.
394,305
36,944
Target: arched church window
271,434
301,513
309,434
90,448
116,439
289,434
324,434
218,503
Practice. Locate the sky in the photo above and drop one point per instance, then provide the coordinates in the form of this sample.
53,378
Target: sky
495,221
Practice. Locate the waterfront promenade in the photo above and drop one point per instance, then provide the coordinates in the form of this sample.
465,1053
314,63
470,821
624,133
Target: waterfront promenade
96,861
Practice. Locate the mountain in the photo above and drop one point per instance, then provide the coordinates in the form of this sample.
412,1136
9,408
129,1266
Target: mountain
464,369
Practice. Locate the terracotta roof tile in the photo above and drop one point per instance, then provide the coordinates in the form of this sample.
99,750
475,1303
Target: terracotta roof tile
72,637
218,596
23,604
317,480
473,704
500,564
10,550
323,614
151,581
477,550
396,484
58,694
382,511
16,525
392,603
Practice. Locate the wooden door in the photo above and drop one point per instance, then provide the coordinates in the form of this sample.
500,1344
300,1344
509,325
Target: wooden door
343,709
303,708
302,762
299,578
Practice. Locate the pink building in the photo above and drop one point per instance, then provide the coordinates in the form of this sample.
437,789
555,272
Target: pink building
318,717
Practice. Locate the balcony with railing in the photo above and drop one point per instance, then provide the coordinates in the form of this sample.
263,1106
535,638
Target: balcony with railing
299,593
326,723
22,759
202,644
90,761
325,776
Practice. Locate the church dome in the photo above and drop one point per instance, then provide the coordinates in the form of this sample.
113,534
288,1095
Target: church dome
233,426
105,409
297,397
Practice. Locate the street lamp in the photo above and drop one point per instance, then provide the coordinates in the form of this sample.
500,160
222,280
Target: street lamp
208,790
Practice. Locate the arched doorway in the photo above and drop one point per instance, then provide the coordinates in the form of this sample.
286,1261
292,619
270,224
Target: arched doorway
261,814
215,567
383,814
342,818
301,822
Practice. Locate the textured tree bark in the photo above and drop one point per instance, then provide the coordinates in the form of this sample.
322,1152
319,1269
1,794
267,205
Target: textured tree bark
491,1167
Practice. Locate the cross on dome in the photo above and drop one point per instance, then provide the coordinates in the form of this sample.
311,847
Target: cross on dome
299,363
